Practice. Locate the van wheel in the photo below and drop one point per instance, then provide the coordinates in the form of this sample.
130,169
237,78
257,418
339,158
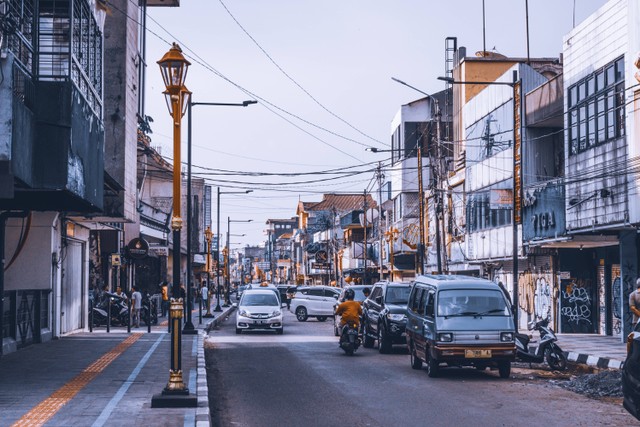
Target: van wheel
504,369
433,366
321,318
301,314
416,363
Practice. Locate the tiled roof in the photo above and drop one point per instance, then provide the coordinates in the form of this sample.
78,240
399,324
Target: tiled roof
340,202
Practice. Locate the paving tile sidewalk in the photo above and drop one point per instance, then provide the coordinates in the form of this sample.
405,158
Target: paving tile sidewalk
606,352
103,379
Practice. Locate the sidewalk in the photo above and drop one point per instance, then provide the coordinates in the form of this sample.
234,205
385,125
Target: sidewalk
600,351
104,379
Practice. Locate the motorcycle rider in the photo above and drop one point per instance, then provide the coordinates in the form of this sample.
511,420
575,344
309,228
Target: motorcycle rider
350,310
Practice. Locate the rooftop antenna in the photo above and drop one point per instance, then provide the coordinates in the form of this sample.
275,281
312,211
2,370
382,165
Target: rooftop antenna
484,41
526,5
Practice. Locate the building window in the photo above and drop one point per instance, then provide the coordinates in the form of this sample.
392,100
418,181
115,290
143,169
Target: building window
20,41
70,47
596,108
483,215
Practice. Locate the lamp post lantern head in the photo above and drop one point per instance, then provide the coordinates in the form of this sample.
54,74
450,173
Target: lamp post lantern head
173,67
208,234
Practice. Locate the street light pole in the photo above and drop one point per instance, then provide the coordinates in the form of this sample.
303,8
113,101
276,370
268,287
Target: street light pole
188,326
174,68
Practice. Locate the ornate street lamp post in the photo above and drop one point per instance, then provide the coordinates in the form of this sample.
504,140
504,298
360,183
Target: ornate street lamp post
173,67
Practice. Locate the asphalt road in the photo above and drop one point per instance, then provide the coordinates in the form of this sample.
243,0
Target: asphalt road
302,378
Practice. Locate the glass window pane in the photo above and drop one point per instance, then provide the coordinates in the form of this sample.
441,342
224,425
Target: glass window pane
600,81
620,109
582,128
611,78
620,70
611,116
573,95
591,123
582,91
573,131
591,86
601,121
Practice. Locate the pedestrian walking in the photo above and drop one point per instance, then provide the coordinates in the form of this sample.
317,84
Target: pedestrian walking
634,303
136,306
204,294
165,298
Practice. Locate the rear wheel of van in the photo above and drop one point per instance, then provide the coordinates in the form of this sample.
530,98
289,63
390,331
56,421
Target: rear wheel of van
433,366
321,318
416,362
504,368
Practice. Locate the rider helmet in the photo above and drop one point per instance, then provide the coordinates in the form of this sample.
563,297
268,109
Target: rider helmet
349,294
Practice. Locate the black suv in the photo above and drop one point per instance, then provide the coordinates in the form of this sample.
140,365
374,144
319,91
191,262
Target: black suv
385,315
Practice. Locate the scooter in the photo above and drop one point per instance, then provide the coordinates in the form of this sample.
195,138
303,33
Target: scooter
547,349
350,338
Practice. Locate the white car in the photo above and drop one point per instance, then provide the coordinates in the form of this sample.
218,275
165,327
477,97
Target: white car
259,309
314,301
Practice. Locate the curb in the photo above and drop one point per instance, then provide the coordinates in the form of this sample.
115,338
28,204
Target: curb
594,361
203,416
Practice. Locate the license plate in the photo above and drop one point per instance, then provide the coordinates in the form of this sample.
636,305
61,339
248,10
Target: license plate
477,354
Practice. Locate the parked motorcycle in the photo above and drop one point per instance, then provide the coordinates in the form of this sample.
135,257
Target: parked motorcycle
149,310
547,348
350,338
114,304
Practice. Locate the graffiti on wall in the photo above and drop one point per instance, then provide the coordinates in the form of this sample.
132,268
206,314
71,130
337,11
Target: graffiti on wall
616,306
576,306
538,295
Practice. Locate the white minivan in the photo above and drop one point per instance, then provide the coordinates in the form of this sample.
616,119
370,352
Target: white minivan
314,301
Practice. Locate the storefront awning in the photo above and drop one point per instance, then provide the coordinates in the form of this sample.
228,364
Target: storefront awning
578,242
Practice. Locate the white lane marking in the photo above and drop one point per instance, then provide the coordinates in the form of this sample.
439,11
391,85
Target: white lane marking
269,339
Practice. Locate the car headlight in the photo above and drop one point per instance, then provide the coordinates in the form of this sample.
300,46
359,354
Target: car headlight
276,313
445,337
243,313
396,317
506,336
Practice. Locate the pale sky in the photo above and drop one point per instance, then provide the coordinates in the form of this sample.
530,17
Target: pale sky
321,72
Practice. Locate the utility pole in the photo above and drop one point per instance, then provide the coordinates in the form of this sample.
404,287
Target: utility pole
364,242
438,187
380,234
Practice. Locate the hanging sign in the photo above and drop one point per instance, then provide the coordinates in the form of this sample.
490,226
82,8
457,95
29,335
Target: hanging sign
138,248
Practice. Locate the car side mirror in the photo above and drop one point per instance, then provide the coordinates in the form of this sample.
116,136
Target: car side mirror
336,296
379,299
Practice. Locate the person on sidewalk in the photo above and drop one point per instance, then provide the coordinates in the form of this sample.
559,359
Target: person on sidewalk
634,303
136,306
165,298
204,294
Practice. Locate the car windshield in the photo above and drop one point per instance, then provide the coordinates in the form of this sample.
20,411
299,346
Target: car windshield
397,295
472,302
358,294
259,299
